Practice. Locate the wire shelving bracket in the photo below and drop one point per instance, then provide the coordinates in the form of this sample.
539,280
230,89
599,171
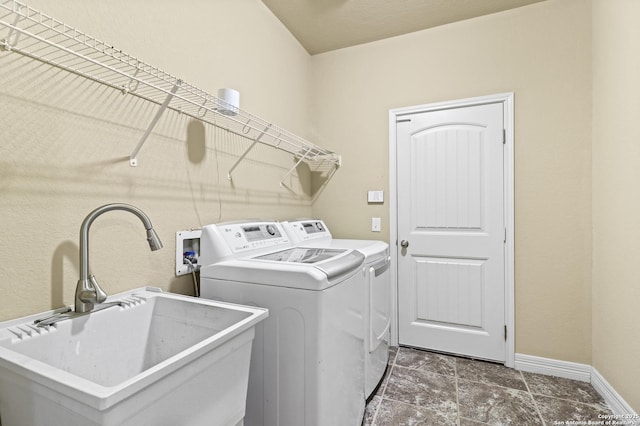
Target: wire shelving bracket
28,32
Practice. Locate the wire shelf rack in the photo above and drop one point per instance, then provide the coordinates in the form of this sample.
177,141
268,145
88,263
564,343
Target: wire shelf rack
31,33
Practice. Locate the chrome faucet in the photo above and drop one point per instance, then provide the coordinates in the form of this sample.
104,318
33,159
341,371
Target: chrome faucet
88,292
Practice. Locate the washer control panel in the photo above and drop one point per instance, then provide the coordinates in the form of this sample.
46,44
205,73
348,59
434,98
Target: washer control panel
249,236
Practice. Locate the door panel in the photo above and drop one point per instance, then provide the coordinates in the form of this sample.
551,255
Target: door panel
451,212
449,291
447,177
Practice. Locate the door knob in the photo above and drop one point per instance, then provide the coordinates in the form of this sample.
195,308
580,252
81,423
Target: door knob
404,243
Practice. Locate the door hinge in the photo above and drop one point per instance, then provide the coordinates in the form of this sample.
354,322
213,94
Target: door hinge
505,332
504,136
505,235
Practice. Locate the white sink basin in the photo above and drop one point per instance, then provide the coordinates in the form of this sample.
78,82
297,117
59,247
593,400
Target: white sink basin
162,359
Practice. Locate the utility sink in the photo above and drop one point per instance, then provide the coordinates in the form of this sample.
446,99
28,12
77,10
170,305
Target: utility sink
155,359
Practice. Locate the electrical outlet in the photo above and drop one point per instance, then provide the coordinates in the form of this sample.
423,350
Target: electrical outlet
376,224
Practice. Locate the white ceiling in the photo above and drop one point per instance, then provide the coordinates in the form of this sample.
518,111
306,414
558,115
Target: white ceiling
324,25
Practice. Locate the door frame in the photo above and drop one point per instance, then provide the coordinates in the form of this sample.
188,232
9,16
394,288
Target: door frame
508,100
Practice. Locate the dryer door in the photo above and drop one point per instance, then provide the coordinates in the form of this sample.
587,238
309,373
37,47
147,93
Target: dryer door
379,302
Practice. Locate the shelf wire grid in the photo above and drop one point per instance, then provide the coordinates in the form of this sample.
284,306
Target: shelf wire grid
41,37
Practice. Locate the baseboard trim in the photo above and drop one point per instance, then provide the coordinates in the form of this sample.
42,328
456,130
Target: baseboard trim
552,367
613,399
575,371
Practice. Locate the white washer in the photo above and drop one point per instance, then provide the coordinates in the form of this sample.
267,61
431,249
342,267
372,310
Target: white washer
307,364
377,292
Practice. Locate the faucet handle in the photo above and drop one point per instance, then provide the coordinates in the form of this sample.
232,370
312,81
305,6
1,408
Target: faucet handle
101,296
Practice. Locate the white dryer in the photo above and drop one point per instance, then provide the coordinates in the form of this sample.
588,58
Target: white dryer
307,356
377,291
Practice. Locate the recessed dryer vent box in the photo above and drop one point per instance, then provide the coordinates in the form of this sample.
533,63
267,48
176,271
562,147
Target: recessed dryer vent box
187,246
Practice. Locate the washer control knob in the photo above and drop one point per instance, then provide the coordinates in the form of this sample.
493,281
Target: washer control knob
271,230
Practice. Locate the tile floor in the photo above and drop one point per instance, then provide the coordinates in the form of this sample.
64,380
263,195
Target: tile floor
425,388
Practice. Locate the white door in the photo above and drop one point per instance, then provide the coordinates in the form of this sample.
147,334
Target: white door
451,270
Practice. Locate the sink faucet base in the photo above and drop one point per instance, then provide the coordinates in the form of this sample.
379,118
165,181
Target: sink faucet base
88,293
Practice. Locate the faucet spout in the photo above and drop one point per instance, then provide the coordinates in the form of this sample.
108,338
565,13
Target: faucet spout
88,292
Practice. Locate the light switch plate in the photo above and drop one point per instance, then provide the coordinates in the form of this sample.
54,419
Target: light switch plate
375,196
376,224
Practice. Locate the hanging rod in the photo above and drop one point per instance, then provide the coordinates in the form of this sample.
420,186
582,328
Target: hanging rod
28,32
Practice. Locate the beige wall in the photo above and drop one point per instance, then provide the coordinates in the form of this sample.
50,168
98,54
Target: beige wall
65,143
542,53
616,205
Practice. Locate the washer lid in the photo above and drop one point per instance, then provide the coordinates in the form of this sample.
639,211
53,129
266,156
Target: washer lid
333,262
302,255
373,250
318,275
